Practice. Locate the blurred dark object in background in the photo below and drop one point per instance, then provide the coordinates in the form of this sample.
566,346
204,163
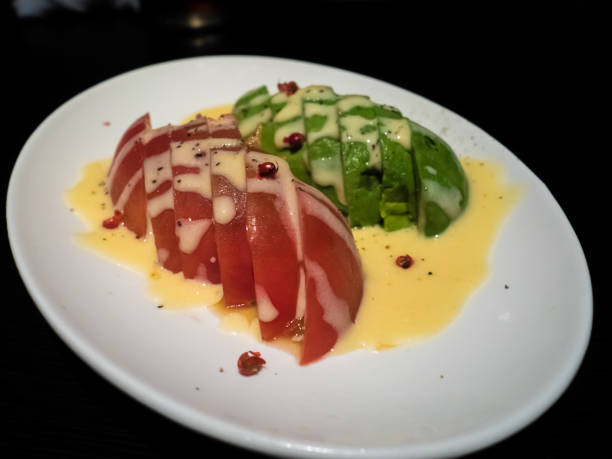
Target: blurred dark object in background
40,8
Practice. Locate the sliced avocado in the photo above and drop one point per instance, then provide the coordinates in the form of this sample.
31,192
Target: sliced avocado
289,120
398,204
267,138
295,159
370,161
252,109
278,102
361,157
297,165
323,138
443,185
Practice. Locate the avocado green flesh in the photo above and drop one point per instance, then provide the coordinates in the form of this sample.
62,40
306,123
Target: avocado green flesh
375,165
278,102
362,185
443,185
246,99
252,109
398,206
297,165
323,138
326,170
362,175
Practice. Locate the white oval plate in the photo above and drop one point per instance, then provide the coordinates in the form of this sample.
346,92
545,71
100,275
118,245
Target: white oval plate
505,360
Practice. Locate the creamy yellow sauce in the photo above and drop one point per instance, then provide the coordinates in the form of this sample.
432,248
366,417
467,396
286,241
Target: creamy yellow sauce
399,305
403,305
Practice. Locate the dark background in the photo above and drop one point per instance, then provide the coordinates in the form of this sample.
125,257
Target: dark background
528,77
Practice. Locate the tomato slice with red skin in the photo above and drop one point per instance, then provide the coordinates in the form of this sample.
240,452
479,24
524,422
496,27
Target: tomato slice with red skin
157,168
273,236
268,237
228,178
334,277
125,181
192,201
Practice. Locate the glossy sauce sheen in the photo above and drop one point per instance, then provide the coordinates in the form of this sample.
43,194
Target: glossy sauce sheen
399,305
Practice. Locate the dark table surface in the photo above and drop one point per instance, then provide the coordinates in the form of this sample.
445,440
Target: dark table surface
524,76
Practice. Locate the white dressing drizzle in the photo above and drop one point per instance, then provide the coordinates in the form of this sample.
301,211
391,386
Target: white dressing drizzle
359,129
448,199
397,130
282,186
328,172
127,147
127,190
159,203
293,108
286,130
335,310
157,169
312,206
330,128
249,125
190,233
266,311
230,164
224,209
192,153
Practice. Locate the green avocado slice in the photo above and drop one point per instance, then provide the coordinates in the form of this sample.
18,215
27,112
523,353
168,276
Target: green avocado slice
323,138
252,109
278,102
398,203
373,163
443,185
361,156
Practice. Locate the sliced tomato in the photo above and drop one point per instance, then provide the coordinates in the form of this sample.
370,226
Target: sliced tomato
274,239
125,178
228,179
193,201
334,277
157,168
